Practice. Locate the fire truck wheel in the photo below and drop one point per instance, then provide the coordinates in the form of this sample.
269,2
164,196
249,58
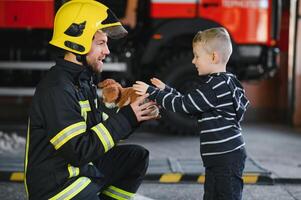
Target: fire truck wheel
181,74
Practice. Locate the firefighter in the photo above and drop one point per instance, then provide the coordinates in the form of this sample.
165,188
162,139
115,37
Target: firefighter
72,149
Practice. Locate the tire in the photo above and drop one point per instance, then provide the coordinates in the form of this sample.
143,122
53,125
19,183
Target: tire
181,74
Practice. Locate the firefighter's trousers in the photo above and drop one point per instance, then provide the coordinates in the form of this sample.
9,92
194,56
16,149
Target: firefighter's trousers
124,168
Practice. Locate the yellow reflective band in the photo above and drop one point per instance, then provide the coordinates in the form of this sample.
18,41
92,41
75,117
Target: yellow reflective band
73,171
85,107
85,115
73,189
114,196
26,157
104,136
118,193
68,133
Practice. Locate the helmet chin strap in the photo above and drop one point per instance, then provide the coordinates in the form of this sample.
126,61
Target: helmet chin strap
82,59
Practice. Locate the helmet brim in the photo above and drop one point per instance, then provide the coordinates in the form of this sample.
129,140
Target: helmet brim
115,32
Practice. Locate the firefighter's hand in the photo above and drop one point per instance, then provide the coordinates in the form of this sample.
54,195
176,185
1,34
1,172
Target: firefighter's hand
143,110
158,83
140,87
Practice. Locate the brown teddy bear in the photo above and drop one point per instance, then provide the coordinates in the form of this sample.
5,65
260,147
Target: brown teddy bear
114,95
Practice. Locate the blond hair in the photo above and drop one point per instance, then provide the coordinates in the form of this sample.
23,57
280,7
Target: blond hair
215,40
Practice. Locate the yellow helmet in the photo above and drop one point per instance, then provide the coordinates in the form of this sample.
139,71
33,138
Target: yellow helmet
77,21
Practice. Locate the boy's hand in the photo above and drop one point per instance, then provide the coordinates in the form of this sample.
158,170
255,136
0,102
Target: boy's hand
158,83
140,87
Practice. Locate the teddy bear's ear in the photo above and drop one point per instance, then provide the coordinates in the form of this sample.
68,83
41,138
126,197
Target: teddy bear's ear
106,83
128,96
111,93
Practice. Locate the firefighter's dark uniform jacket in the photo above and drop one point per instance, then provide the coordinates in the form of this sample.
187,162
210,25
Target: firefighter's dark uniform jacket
67,133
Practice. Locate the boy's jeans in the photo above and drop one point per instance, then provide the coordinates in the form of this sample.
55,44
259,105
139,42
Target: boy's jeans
224,182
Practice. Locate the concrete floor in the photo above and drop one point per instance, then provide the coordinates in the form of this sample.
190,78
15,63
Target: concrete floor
155,191
276,148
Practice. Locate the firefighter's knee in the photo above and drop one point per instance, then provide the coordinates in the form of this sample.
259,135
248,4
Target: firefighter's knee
140,155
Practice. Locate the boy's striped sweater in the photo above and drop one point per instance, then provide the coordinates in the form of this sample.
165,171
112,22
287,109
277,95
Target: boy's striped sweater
218,103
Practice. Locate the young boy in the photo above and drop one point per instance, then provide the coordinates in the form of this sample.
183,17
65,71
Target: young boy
219,103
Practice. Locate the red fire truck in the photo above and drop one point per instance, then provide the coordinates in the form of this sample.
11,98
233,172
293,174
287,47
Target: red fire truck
159,46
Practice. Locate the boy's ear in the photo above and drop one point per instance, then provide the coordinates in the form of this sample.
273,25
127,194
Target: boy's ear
215,57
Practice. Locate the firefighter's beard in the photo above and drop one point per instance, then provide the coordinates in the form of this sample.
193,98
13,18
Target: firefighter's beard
95,65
